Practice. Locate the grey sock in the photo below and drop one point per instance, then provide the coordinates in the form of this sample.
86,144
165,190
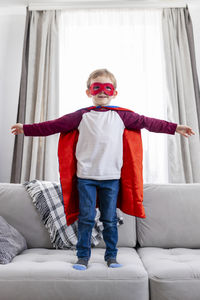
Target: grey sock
112,263
81,264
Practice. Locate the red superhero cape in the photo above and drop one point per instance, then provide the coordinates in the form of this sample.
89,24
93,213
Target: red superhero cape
130,199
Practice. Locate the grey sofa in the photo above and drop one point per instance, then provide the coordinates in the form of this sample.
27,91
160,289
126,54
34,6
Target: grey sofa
160,254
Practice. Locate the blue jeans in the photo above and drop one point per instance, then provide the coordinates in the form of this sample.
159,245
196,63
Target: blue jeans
107,194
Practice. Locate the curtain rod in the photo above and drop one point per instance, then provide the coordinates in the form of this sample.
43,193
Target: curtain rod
107,4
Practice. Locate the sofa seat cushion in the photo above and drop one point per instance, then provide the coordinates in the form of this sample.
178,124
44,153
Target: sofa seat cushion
47,264
48,274
173,273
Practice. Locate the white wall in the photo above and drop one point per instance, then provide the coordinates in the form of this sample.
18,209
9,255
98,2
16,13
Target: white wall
12,24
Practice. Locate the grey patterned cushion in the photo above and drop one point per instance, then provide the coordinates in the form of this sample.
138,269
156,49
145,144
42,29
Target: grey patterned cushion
11,242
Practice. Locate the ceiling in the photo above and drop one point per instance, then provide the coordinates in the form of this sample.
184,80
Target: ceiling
26,2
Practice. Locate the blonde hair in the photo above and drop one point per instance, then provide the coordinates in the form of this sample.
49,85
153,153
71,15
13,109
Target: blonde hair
101,72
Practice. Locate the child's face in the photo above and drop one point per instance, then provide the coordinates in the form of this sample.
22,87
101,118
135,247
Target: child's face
101,98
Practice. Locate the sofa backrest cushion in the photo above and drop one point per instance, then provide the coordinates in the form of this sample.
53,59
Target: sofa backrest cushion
18,210
126,233
172,216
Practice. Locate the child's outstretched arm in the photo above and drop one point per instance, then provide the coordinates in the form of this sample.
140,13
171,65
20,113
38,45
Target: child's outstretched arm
133,121
64,124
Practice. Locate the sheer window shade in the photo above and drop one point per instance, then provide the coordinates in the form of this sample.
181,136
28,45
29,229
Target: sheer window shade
128,42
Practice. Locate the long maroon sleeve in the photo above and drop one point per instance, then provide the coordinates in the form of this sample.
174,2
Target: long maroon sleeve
63,124
135,121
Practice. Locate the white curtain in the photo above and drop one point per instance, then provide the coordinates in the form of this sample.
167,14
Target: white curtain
39,159
184,106
128,42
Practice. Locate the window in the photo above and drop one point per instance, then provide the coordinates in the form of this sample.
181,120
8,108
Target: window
128,42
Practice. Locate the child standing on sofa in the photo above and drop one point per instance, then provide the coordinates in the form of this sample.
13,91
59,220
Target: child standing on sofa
99,154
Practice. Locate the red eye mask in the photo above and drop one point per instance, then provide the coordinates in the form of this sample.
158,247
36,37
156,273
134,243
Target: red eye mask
97,87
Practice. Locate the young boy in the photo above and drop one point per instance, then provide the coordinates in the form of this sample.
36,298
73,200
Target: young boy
99,155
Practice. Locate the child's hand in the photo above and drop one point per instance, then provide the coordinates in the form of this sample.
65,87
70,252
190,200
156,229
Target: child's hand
184,130
17,128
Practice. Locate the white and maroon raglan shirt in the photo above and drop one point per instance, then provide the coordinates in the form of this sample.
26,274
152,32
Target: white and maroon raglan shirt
99,150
